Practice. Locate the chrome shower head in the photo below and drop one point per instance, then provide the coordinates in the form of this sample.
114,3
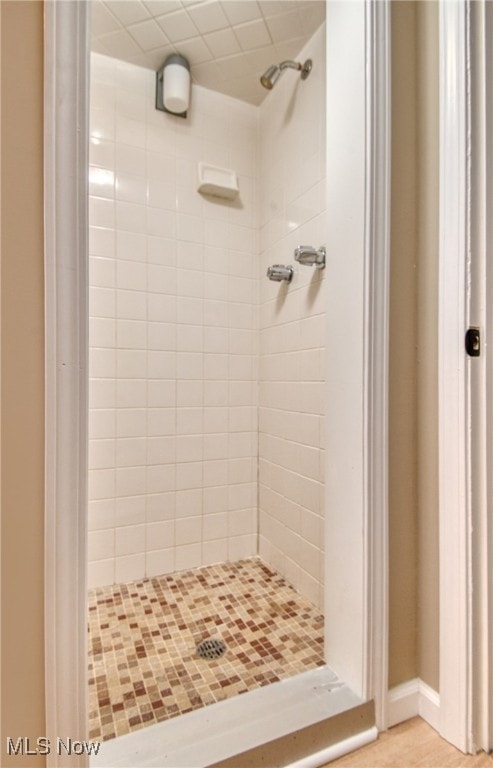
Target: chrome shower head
272,75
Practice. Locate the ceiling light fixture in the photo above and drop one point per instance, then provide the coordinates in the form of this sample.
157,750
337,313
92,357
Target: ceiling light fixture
173,85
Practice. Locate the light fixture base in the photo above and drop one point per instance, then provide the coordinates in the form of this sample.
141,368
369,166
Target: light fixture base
306,69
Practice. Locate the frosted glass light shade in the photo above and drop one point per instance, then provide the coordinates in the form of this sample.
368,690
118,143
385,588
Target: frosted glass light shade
176,84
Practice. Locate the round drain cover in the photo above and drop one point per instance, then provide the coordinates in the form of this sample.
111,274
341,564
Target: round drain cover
211,649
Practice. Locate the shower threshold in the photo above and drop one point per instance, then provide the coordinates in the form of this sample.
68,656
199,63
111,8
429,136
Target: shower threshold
211,735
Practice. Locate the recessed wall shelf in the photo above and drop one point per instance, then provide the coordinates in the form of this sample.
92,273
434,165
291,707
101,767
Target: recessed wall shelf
218,182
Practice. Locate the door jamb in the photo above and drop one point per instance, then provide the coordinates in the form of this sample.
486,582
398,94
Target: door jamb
378,196
66,194
66,117
455,492
481,373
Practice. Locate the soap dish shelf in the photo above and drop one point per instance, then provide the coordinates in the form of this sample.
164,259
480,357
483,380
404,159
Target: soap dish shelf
218,182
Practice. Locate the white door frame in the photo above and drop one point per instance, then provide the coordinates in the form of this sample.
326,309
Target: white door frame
485,732
66,410
357,330
466,226
481,371
454,520
66,110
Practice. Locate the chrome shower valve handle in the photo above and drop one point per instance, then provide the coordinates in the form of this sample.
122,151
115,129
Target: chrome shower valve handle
306,254
279,272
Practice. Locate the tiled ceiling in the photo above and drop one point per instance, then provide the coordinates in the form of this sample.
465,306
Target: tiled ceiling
229,43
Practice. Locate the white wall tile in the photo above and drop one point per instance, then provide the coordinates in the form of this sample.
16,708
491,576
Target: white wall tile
129,567
161,279
214,551
131,364
160,391
160,561
102,272
131,275
189,448
161,421
131,305
161,478
101,212
101,182
161,194
215,526
130,217
189,503
102,332
130,481
131,393
188,530
101,454
129,540
131,334
189,476
131,189
130,246
131,422
160,535
161,223
131,452
161,365
102,423
160,506
102,363
102,123
292,331
101,484
102,302
101,544
161,450
161,250
101,573
130,131
130,510
215,499
188,556
240,547
131,160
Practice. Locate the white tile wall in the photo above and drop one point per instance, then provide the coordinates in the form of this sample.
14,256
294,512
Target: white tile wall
292,325
173,331
180,345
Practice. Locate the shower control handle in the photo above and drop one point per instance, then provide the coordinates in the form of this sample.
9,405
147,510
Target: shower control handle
306,254
279,272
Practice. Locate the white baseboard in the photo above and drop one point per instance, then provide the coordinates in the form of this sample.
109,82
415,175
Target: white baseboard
340,749
429,705
403,702
411,699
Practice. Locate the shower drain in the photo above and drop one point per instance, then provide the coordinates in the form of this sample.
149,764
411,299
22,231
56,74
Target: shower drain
211,649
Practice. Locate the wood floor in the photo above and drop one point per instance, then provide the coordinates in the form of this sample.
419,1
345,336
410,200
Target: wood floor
413,743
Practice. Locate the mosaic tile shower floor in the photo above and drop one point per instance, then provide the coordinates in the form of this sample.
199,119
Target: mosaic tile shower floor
143,665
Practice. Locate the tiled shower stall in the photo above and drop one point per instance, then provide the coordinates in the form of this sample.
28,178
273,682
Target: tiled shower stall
206,379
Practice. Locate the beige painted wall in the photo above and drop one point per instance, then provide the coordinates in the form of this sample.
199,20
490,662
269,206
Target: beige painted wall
413,467
403,338
22,374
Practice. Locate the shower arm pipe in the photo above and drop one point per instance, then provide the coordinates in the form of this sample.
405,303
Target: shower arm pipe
288,64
